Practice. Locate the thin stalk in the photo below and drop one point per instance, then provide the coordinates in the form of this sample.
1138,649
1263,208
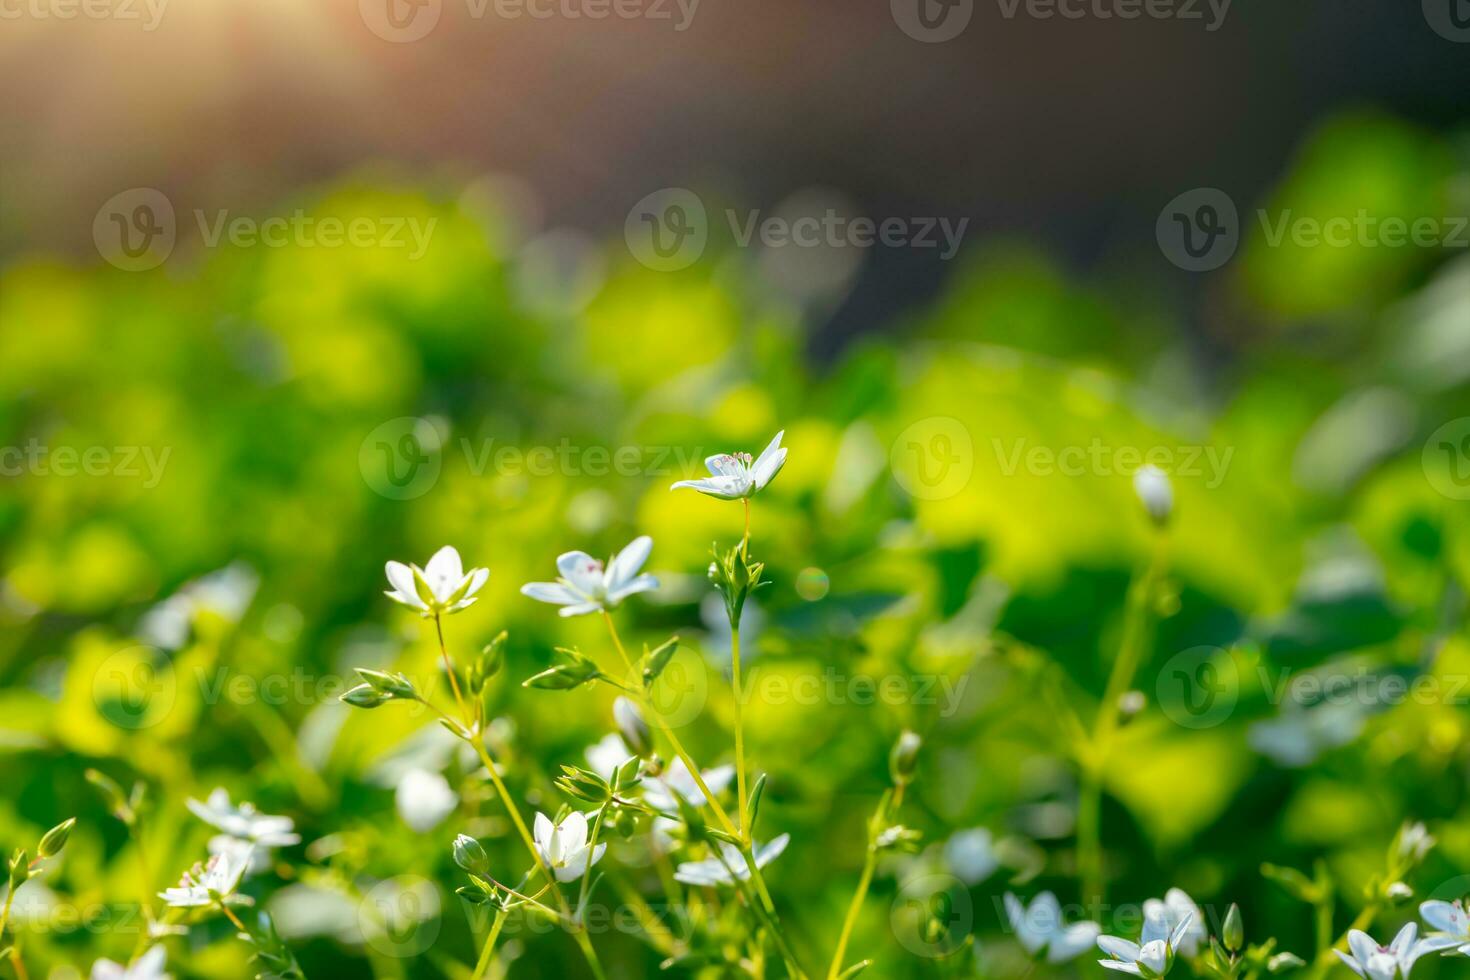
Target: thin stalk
449,668
892,798
587,872
773,928
1125,667
479,747
739,724
482,966
593,963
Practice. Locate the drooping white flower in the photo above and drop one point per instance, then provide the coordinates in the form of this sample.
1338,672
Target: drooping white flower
244,822
149,966
1156,493
1040,928
564,847
1175,908
212,881
712,871
441,586
1450,921
970,854
658,791
587,585
1394,961
424,799
734,476
1152,956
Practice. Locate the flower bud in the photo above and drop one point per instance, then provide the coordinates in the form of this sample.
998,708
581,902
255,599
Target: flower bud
1233,933
632,727
468,854
20,869
55,839
487,664
1156,493
1130,703
1399,893
365,696
392,685
903,761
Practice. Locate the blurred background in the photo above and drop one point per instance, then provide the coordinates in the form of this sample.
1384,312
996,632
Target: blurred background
288,290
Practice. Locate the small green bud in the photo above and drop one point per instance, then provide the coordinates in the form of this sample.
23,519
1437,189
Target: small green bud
632,727
903,761
365,696
655,660
487,664
55,839
468,854
573,672
20,869
393,685
1233,932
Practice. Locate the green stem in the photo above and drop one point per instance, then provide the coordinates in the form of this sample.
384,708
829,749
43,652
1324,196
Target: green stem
1094,761
587,872
482,966
739,729
852,913
593,963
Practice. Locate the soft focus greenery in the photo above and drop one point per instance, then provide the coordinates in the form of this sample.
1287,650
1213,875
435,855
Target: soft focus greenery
263,372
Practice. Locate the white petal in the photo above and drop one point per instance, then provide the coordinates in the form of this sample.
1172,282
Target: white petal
770,463
1118,947
765,855
580,609
581,571
643,583
1443,915
1121,967
478,578
400,576
626,563
1072,941
444,572
724,464
1362,945
723,487
574,830
1352,963
553,592
542,831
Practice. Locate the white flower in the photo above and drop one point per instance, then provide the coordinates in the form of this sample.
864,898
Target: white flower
244,822
424,799
1178,907
1041,928
1153,488
659,791
712,871
586,585
970,854
1415,841
225,593
734,476
442,586
604,757
1391,962
564,848
212,881
1451,921
149,966
1152,956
